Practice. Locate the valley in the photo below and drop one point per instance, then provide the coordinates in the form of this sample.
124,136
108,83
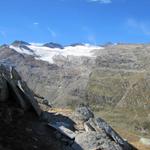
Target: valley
113,80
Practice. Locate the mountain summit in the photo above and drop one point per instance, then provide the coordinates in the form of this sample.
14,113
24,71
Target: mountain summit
19,43
53,45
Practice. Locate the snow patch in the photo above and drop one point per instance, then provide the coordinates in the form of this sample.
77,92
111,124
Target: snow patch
21,50
47,54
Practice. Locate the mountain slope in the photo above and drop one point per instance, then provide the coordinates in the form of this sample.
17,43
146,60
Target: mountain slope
99,75
113,78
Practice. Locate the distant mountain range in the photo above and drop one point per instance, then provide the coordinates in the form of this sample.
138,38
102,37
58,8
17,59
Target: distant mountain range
114,74
114,79
48,51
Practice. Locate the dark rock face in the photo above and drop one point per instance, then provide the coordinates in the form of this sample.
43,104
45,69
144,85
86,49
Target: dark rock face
19,43
22,130
77,44
113,134
25,97
96,141
3,89
53,45
18,122
100,135
84,113
25,47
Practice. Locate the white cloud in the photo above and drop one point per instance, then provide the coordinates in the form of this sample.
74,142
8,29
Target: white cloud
52,32
36,23
141,26
102,1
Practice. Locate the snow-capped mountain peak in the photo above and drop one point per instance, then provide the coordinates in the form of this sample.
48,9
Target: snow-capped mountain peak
46,53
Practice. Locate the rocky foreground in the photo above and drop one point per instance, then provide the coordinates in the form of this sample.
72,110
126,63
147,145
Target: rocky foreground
26,125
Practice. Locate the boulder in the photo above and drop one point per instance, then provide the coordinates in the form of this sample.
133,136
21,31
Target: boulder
93,141
84,113
113,134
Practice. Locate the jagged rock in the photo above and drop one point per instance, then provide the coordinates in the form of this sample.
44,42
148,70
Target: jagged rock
105,138
113,134
93,125
93,140
99,135
84,113
23,94
88,127
67,82
46,102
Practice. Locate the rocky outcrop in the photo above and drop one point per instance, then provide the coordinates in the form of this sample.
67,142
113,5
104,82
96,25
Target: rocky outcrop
83,113
95,141
96,135
115,78
12,81
99,135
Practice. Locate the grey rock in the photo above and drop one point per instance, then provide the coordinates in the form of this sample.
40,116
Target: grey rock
19,43
24,95
106,138
113,134
94,140
84,113
92,123
88,127
61,127
46,102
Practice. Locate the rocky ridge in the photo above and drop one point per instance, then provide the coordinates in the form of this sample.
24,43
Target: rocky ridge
15,109
110,78
83,73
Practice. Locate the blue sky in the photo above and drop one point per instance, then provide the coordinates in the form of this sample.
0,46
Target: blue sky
73,21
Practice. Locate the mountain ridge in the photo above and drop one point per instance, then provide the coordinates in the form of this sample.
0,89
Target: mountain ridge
85,60
115,77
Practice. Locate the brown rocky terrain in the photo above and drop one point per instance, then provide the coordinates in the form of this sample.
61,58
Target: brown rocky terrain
24,125
115,82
